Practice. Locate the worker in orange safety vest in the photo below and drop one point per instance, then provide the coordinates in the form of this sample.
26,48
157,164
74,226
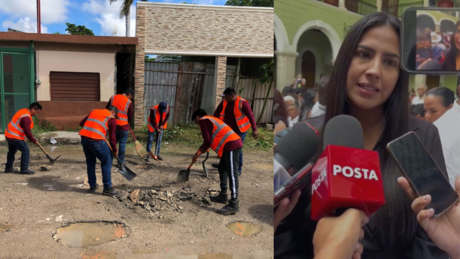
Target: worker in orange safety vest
95,126
157,123
21,126
227,144
236,113
125,109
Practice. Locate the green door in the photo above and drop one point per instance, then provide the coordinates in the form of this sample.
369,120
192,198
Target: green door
15,85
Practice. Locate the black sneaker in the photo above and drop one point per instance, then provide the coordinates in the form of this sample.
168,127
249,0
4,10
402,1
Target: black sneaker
147,158
28,171
215,165
160,158
11,170
230,209
220,198
93,188
111,192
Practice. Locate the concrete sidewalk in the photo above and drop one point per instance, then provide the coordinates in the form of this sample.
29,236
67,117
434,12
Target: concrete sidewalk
62,137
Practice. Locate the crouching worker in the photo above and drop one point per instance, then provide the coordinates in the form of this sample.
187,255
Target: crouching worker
20,127
227,144
93,140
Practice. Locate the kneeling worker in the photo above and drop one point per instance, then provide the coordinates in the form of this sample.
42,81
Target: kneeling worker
225,142
93,140
18,128
158,121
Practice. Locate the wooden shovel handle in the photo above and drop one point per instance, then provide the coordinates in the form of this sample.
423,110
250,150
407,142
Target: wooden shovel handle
195,158
42,148
108,144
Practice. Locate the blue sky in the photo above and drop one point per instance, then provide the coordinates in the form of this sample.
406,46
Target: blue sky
97,15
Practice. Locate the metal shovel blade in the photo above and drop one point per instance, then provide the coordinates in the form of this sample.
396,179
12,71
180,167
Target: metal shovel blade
126,172
52,161
183,175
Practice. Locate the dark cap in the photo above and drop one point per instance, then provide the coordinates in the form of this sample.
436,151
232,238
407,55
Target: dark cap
163,107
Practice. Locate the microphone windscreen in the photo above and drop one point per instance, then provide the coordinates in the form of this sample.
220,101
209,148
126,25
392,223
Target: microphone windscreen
344,130
299,145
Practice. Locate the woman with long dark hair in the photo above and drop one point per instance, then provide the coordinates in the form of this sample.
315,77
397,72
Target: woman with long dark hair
368,84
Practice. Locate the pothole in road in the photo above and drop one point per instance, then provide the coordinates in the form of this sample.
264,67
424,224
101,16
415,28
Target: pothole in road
263,166
244,229
85,234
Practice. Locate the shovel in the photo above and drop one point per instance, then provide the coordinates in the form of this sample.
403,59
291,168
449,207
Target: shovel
48,156
184,174
204,166
139,148
123,170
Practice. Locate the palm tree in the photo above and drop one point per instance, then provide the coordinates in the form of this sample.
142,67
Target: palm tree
124,12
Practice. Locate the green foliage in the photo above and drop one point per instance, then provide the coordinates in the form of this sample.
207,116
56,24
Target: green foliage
147,59
258,3
268,75
42,126
57,32
78,30
125,7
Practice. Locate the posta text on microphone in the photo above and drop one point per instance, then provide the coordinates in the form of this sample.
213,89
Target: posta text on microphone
346,177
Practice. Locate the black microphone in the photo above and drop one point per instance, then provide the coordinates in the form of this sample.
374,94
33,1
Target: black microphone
297,147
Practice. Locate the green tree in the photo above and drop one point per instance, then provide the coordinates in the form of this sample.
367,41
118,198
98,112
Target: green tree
124,12
78,30
258,3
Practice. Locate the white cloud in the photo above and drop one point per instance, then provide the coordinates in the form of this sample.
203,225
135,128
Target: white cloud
205,2
52,11
108,16
24,25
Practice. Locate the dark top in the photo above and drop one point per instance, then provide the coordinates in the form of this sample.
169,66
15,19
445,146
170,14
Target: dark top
153,121
230,119
450,62
206,127
279,110
25,125
112,125
130,116
294,235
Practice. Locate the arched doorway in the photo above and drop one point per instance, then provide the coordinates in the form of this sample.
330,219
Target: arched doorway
308,68
447,26
425,21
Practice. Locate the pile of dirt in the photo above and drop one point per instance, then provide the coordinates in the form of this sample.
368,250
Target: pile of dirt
156,199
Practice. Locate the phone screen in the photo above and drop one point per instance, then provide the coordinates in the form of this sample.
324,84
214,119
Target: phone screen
431,40
422,172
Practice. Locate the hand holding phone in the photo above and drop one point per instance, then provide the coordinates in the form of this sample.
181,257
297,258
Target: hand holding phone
444,231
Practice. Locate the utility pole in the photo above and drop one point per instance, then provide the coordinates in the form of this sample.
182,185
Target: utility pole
39,30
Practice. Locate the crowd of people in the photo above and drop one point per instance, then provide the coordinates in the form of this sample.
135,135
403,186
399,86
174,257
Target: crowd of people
296,103
438,50
441,106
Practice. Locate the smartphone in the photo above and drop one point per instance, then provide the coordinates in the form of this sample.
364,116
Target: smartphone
422,172
297,182
430,37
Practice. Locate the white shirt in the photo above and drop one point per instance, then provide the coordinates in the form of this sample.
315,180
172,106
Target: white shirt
418,100
317,110
449,131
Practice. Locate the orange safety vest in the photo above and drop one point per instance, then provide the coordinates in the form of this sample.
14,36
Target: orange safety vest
156,111
221,134
241,119
122,103
96,124
14,129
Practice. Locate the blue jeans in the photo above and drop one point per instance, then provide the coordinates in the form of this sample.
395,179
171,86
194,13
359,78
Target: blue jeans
240,166
99,150
157,142
13,147
122,137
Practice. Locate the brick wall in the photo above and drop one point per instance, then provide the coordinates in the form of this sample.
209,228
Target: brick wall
221,66
139,71
195,28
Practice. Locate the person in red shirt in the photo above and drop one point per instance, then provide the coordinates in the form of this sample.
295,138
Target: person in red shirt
228,115
158,121
93,140
123,103
20,127
225,142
